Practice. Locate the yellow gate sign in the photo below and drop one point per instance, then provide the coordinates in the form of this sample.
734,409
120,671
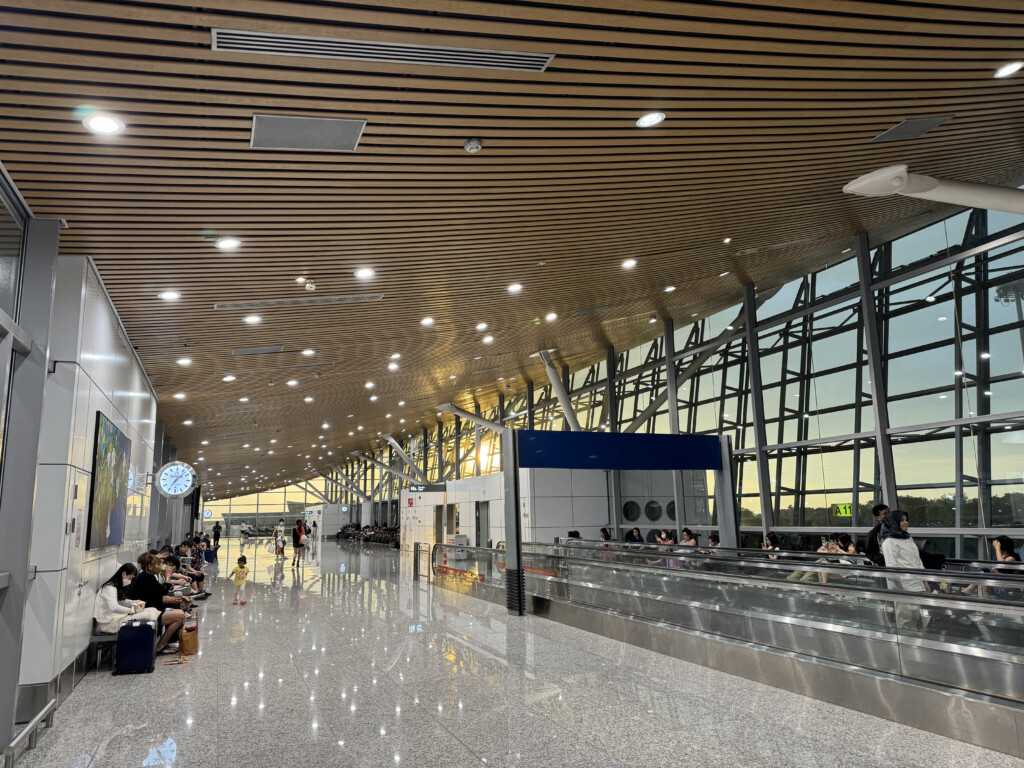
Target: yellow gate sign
842,510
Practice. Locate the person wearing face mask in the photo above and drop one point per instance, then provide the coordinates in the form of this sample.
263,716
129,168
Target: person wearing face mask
113,608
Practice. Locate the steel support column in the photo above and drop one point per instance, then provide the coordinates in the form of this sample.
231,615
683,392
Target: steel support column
21,450
405,458
611,399
477,444
725,498
515,582
383,467
672,390
757,406
872,340
558,387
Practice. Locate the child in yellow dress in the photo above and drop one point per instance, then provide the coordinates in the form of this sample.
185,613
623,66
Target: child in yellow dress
240,574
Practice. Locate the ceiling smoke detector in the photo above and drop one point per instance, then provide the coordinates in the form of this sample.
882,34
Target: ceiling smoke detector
473,146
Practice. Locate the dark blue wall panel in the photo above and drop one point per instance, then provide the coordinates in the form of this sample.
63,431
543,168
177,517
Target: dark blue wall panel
609,450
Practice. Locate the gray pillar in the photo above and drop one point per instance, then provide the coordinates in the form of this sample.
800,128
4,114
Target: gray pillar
872,340
558,387
477,446
757,406
515,584
154,494
21,451
725,499
672,401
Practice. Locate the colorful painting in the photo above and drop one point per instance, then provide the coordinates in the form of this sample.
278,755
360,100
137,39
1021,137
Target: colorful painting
108,506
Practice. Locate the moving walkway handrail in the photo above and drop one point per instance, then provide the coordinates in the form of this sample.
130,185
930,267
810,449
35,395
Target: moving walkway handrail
890,574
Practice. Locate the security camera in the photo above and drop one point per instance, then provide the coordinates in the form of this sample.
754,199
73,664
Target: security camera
473,146
310,285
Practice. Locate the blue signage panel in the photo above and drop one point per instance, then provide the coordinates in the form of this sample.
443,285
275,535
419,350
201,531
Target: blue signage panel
609,450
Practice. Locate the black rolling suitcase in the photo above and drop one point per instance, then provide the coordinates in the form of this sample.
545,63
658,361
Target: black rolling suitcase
136,647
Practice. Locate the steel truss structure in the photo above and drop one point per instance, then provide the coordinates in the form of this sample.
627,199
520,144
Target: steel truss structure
895,374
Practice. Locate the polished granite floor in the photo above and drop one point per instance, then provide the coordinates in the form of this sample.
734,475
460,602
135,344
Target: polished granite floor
345,661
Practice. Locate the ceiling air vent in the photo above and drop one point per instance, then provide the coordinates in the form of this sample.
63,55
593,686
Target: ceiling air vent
305,134
911,129
296,302
238,41
257,350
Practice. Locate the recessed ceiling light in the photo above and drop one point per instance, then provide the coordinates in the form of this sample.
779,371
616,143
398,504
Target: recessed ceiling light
387,415
481,326
488,339
373,398
205,442
723,274
307,399
515,288
184,361
452,376
169,295
187,422
229,377
392,366
669,288
1009,69
427,321
654,319
325,425
650,120
243,399
179,395
292,383
551,317
252,319
629,263
308,352
227,243
365,273
103,124
401,402
300,279
727,240
245,445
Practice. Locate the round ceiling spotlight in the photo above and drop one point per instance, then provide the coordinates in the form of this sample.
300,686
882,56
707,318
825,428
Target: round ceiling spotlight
104,124
229,377
169,295
252,319
365,273
629,263
392,366
669,288
427,321
184,361
473,146
515,288
1009,69
481,326
488,339
308,352
551,317
650,120
227,243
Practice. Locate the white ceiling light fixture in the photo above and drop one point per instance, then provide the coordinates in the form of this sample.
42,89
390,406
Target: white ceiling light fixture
427,321
325,425
723,274
373,398
300,280
1009,69
392,366
227,243
515,288
243,399
669,288
629,263
308,352
650,120
307,399
654,319
229,378
396,356
727,240
364,273
169,295
401,402
184,361
252,319
187,422
481,326
205,442
104,124
179,395
369,385
487,339
551,317
292,383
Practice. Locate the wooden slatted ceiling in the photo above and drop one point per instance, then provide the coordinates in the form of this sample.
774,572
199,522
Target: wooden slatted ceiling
771,106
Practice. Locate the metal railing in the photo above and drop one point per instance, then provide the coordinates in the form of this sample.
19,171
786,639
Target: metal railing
30,733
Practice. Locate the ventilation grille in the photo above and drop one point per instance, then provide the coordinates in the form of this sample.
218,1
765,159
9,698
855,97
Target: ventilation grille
257,350
237,41
244,407
911,129
296,302
305,134
591,311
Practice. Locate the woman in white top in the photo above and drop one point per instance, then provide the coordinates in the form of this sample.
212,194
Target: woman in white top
113,607
900,551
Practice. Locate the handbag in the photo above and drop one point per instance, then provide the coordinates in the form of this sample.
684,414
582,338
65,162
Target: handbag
188,641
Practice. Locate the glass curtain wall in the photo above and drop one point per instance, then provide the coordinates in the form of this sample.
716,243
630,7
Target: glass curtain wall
948,304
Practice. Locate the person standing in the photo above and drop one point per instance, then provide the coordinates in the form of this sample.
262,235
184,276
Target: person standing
900,551
240,575
298,541
216,533
873,547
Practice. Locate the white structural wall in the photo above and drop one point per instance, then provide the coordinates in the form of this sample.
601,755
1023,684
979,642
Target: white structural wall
94,370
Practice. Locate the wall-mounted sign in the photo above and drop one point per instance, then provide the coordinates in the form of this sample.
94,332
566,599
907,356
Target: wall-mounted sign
427,488
842,510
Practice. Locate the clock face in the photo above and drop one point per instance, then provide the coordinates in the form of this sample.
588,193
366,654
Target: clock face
176,479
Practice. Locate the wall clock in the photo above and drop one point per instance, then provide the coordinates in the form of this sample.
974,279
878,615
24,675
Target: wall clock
176,479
